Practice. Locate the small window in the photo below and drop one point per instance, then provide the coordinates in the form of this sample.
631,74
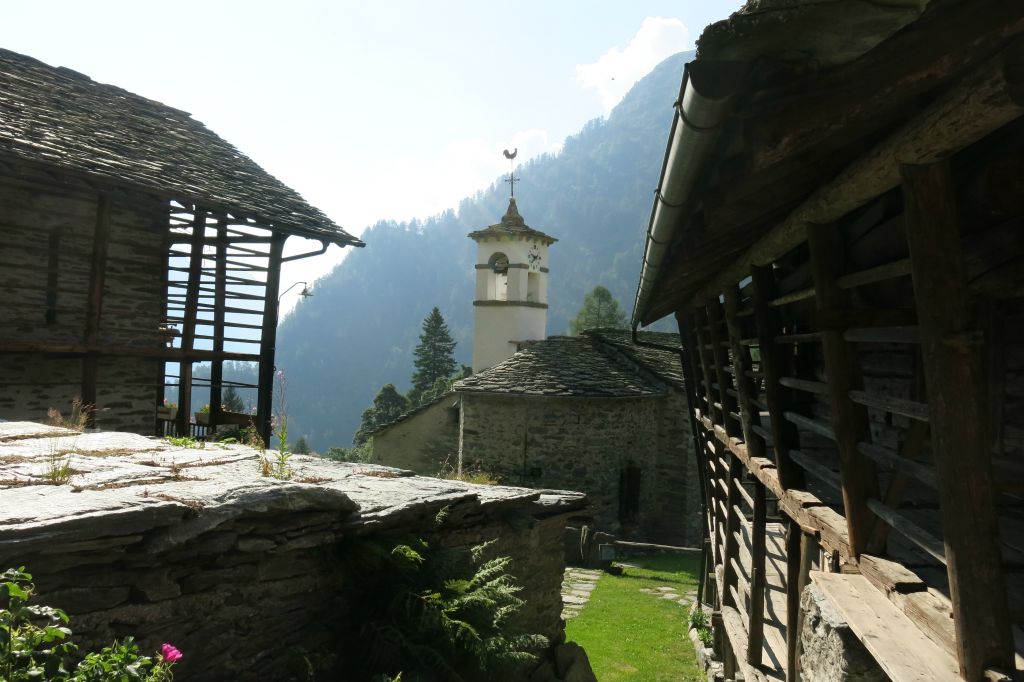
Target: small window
629,494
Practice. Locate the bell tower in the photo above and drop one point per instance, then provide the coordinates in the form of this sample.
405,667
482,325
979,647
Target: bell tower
511,302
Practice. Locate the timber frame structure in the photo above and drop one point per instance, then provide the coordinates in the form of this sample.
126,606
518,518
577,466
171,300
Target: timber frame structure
134,242
839,232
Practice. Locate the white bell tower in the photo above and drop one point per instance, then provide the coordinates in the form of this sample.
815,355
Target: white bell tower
511,303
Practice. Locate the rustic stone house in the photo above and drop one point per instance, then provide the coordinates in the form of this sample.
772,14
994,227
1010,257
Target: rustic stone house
837,232
133,243
602,413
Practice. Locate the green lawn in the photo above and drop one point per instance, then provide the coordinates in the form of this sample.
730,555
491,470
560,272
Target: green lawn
631,635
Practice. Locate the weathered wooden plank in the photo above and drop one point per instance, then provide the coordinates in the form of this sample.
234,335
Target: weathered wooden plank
784,436
849,420
94,306
817,469
879,273
718,351
953,376
219,301
745,390
188,331
732,524
890,576
907,408
896,643
758,536
268,341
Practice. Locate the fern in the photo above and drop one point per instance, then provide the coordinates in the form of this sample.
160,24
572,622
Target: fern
447,613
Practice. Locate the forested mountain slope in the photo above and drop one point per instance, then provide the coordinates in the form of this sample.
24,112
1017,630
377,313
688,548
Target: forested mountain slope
358,332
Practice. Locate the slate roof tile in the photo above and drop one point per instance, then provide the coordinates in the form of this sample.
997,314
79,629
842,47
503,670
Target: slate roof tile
61,118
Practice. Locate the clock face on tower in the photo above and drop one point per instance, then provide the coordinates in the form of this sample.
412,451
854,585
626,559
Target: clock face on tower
534,257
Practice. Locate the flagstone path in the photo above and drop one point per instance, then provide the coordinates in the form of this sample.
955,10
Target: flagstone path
578,583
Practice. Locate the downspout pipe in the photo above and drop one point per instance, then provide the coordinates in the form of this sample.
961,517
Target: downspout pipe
700,111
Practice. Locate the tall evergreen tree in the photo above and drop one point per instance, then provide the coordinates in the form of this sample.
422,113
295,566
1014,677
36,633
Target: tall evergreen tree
600,309
232,401
434,357
388,405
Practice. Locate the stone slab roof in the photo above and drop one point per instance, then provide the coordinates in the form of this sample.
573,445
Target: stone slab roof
666,364
512,224
60,118
125,486
561,366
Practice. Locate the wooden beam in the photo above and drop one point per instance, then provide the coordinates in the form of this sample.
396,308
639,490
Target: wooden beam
94,306
268,341
718,352
188,331
953,377
784,434
849,419
745,391
219,302
758,535
732,524
793,544
700,321
983,101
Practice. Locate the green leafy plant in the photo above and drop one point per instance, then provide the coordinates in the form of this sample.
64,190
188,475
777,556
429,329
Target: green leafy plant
440,614
698,620
276,464
35,644
186,442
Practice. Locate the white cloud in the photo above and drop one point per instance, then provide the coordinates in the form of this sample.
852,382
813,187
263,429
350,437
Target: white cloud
615,72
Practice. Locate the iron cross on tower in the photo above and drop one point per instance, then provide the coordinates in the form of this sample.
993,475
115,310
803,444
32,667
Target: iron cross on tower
512,179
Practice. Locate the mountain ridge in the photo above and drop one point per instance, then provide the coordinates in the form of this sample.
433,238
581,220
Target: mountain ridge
594,195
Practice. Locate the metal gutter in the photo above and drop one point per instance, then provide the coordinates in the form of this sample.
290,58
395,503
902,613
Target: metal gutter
695,130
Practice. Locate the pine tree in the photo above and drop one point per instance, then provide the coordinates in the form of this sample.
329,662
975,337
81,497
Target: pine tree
301,447
388,405
600,309
232,401
434,357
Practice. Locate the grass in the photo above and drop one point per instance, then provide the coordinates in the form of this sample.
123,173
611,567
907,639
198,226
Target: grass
631,635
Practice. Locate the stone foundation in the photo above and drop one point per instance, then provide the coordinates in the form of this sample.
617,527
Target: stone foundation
244,573
831,651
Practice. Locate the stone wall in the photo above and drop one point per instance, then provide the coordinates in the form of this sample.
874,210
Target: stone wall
831,651
585,444
425,442
238,570
46,244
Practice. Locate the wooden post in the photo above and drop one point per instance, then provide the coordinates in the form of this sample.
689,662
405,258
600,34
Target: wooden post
849,420
688,365
741,363
732,526
951,354
219,302
94,307
718,352
268,341
758,533
800,547
188,331
784,434
700,320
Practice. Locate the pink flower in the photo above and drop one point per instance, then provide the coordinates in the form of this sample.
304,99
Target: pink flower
169,653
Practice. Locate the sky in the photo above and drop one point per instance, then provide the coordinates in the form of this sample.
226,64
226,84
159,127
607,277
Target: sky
371,110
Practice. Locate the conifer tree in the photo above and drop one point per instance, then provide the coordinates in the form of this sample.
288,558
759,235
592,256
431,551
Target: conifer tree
388,405
232,401
434,357
600,309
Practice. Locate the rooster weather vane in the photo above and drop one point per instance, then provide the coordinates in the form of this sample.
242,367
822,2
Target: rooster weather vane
512,179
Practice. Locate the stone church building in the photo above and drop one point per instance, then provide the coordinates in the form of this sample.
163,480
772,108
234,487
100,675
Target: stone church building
602,413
